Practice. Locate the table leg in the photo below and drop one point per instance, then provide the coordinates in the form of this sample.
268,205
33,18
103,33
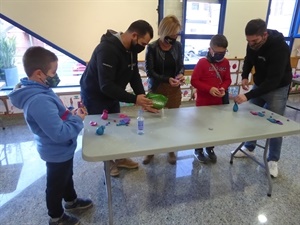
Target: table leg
108,191
267,167
292,107
235,151
264,164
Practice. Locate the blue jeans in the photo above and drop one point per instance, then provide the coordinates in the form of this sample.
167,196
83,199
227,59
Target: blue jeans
274,101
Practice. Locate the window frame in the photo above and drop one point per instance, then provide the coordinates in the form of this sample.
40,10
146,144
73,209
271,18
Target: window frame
296,27
295,23
183,36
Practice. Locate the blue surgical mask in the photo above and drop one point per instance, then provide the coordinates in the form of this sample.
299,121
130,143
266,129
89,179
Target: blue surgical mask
52,81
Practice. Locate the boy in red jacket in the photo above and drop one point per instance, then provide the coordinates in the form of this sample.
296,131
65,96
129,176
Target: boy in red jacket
211,78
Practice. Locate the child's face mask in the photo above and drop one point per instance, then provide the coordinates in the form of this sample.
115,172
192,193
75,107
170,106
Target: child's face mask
52,81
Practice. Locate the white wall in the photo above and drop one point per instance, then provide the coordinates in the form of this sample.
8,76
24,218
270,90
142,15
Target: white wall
77,26
238,13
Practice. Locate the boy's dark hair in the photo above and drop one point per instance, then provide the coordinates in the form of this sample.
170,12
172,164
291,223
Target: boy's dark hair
142,27
256,27
219,40
37,57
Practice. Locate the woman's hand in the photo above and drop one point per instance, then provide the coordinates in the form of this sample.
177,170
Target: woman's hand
174,82
181,78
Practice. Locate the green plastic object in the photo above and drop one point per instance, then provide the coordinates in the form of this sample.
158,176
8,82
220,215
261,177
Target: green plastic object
159,101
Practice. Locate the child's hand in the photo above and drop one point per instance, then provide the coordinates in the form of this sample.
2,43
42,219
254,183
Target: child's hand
73,111
222,91
215,92
81,112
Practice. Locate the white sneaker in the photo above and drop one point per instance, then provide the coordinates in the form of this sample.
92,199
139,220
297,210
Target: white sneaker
240,154
273,168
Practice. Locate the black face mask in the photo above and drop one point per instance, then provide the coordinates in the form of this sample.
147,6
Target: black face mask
218,57
137,48
257,46
170,40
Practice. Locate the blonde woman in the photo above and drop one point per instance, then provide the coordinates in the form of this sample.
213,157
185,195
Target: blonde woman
164,67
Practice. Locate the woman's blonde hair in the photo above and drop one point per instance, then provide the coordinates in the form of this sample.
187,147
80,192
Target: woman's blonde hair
169,25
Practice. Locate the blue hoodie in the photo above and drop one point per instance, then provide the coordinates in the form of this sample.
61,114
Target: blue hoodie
55,128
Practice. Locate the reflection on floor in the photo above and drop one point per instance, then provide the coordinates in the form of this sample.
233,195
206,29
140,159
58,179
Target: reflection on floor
159,193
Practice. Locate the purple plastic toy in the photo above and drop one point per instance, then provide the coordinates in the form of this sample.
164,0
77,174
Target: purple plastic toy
124,122
274,121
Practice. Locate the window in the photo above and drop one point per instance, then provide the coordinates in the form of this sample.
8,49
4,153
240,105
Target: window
201,20
284,16
281,15
70,68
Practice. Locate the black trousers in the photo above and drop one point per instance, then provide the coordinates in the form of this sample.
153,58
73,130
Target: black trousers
59,186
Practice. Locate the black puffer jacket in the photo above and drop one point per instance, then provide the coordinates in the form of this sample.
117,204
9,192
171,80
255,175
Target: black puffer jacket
272,65
154,63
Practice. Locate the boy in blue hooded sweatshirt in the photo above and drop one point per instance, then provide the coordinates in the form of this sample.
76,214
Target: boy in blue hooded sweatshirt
55,131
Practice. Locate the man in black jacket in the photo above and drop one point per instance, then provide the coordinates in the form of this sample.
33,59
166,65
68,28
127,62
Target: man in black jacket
112,66
268,52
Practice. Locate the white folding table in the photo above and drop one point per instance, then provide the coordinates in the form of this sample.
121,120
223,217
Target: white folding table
180,129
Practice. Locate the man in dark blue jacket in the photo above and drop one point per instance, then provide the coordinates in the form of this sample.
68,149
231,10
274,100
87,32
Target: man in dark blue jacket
112,66
268,52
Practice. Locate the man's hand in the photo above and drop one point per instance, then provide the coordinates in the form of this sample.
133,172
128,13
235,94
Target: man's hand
245,84
240,98
150,109
143,101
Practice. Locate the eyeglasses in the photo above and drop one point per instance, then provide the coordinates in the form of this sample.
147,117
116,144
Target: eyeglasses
219,52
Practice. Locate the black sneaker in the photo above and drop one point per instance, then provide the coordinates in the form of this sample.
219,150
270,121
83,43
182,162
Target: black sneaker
209,153
65,220
79,203
198,153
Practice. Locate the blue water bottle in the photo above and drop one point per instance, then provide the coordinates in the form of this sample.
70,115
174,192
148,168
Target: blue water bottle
140,122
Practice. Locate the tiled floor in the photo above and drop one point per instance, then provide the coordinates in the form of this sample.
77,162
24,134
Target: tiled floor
159,193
